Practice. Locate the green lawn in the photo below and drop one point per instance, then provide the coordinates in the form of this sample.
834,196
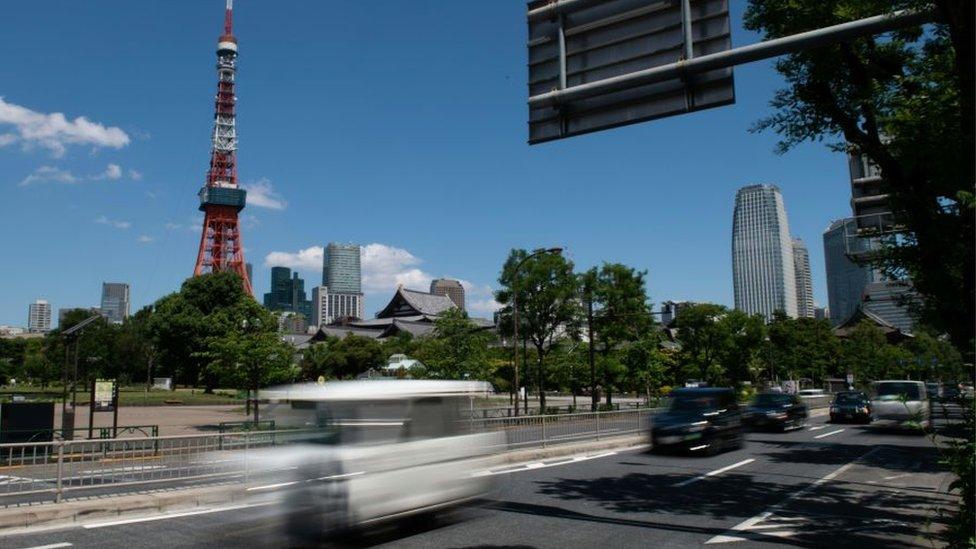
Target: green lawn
131,396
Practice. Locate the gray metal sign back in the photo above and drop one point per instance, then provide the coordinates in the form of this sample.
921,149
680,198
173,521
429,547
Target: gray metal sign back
577,42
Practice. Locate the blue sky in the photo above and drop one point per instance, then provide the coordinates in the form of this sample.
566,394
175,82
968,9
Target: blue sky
398,124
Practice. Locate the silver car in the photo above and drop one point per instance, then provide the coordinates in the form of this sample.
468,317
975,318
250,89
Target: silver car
901,403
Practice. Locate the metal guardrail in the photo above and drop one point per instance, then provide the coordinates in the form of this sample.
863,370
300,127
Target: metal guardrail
56,469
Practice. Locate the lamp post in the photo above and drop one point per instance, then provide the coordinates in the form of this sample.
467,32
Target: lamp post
515,318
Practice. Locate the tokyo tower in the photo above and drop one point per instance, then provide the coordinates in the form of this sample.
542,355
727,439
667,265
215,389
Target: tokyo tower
221,200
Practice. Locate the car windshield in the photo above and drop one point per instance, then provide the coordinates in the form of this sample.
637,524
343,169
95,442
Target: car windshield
772,399
694,403
896,390
848,398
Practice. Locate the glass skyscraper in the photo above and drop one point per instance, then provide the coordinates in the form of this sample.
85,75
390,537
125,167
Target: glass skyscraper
846,280
341,270
115,301
763,272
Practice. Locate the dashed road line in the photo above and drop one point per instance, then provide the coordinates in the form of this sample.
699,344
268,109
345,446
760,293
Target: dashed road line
541,464
830,433
51,546
747,528
713,473
168,516
817,428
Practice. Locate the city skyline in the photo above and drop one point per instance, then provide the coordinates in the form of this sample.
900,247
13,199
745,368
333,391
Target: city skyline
128,182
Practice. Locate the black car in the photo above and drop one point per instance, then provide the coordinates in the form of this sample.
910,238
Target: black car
777,411
706,420
851,406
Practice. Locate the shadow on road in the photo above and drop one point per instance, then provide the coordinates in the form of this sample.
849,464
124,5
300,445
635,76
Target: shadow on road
834,514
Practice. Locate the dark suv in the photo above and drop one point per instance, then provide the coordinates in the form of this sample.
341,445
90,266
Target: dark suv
706,420
777,411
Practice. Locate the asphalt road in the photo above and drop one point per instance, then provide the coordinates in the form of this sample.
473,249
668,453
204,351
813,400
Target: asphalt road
825,485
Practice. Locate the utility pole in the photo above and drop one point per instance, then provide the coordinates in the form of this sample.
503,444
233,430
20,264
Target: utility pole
594,398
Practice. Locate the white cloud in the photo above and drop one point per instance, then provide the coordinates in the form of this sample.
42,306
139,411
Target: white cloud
307,259
6,139
53,131
261,193
46,174
112,172
135,175
102,220
385,267
144,239
479,299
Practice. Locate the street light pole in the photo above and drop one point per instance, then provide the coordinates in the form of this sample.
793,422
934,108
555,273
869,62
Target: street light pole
515,318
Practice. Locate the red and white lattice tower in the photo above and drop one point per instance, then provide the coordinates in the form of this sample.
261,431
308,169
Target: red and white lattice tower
221,200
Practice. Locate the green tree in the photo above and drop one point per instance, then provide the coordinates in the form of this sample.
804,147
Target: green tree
804,348
933,358
743,336
183,324
703,339
621,314
457,348
905,100
546,292
353,355
315,360
253,356
648,367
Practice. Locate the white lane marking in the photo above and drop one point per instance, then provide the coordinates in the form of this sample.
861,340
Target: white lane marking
830,433
271,486
713,473
51,546
817,428
893,477
168,516
540,465
740,532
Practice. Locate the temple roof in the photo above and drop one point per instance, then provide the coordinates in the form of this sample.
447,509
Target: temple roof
415,303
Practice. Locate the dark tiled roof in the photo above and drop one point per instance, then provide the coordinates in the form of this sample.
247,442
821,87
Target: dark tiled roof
426,303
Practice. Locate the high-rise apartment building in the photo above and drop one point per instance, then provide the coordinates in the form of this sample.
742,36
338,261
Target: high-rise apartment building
764,278
115,301
341,268
846,280
804,280
329,306
449,287
39,316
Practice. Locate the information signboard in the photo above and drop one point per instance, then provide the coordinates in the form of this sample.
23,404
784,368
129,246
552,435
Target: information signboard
104,395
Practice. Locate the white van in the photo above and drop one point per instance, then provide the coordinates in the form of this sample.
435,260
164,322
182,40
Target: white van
901,403
378,450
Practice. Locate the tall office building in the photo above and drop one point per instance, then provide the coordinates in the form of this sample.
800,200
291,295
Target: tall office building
804,281
341,268
39,316
764,278
115,301
329,306
287,293
671,309
449,287
249,269
846,280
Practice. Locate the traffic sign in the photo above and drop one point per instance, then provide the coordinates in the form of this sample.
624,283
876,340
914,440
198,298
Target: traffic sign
576,46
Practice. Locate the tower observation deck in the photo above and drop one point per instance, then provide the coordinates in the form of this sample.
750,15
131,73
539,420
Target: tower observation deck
221,199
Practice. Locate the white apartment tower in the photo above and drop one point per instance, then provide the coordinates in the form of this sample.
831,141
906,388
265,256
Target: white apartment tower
39,316
804,280
763,271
